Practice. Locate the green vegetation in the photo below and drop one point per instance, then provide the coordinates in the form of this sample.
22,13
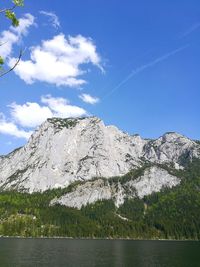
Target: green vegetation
10,14
172,214
133,174
63,123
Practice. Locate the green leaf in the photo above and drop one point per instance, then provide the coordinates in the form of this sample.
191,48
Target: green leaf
1,61
11,15
18,2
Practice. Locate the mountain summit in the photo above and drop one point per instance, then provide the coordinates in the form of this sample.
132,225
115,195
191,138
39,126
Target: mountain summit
62,151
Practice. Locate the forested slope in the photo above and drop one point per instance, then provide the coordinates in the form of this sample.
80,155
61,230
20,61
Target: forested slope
172,213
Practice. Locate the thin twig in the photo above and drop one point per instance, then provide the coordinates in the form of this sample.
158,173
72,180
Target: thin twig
14,66
3,43
5,9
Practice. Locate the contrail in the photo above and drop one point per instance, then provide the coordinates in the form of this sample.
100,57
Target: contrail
190,30
146,66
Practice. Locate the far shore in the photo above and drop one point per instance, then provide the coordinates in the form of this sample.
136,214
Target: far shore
96,238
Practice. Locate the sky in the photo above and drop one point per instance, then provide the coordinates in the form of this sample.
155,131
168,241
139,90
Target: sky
133,63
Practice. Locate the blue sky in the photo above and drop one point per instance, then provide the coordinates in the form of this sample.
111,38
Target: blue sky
134,64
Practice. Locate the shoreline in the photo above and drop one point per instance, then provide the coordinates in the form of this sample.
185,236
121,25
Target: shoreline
96,238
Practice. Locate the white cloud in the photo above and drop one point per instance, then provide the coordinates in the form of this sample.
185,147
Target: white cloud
7,40
53,18
61,107
33,114
30,114
14,34
58,61
10,128
25,23
89,99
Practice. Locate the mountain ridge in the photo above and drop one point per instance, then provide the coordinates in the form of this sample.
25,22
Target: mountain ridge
62,151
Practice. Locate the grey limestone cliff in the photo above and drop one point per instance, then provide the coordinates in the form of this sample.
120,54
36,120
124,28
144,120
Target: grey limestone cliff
62,151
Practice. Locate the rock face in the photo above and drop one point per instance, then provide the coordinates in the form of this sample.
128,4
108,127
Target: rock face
153,180
62,151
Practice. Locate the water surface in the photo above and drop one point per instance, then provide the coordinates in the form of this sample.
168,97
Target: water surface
19,252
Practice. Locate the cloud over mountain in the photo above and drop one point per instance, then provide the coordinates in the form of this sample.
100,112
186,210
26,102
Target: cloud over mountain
23,118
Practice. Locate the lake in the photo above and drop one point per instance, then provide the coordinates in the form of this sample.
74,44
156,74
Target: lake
74,252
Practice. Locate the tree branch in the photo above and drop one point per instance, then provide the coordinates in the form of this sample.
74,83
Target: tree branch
14,66
5,9
2,43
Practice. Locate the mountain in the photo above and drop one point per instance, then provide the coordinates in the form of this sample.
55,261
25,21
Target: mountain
62,151
80,178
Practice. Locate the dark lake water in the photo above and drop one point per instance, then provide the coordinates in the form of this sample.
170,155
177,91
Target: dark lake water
65,252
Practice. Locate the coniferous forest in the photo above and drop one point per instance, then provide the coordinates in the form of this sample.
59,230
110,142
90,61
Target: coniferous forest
170,214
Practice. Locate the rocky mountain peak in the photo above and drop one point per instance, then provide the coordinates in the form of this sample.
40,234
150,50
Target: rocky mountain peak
61,151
